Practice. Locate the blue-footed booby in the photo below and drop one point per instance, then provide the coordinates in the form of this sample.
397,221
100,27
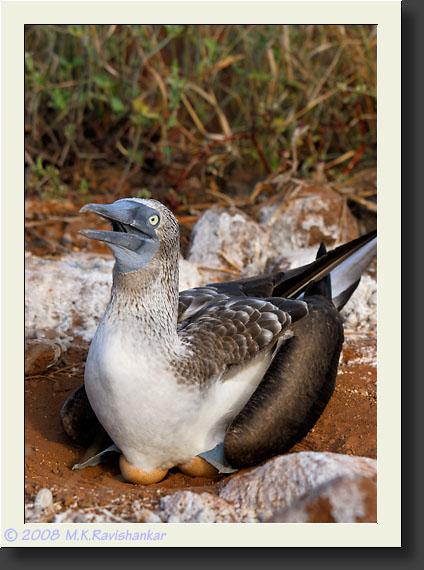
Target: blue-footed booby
238,370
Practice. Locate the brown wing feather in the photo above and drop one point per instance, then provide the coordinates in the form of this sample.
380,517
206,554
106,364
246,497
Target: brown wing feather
232,331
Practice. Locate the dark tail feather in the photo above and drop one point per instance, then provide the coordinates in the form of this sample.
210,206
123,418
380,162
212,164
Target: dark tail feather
322,250
344,264
322,286
345,295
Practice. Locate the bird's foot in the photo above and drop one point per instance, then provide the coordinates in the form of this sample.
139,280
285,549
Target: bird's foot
198,467
89,460
134,475
216,457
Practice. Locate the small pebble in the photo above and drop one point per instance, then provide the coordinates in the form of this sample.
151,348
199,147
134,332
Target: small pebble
43,500
147,516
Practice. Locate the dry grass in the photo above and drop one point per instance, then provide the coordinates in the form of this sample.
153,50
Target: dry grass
179,98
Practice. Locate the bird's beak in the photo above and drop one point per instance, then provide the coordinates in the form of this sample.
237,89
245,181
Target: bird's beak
126,232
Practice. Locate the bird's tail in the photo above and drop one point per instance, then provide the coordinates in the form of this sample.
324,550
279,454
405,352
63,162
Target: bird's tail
321,286
334,274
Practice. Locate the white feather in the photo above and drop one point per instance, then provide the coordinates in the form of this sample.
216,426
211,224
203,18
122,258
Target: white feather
152,419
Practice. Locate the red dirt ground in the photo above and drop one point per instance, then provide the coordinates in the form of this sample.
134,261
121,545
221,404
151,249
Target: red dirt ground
348,425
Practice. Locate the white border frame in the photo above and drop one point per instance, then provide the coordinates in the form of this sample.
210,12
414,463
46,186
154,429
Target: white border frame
387,16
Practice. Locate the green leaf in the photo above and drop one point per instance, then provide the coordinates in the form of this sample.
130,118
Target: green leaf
29,62
69,130
102,81
59,99
117,105
83,186
143,193
172,121
212,46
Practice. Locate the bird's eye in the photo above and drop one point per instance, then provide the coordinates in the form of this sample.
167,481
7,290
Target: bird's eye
154,220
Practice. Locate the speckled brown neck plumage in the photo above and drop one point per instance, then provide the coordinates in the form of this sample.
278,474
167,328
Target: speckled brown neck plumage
149,297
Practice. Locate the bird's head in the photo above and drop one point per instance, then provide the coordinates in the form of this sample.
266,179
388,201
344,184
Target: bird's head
139,228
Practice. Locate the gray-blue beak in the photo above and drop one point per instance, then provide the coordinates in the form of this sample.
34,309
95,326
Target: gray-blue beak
129,228
132,238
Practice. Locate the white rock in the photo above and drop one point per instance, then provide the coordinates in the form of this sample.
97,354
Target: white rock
72,516
342,500
312,215
229,239
292,258
361,309
190,276
66,295
277,484
148,516
43,500
188,507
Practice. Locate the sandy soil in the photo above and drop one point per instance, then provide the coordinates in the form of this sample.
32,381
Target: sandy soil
348,425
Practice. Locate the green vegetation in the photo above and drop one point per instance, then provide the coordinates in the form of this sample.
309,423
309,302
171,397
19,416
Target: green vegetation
155,97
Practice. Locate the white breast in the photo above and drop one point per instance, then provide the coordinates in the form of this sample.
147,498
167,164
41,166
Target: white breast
225,399
154,420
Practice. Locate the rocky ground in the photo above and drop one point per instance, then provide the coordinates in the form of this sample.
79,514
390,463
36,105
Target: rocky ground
330,476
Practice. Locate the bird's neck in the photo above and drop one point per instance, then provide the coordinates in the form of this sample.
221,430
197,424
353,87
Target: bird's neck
148,300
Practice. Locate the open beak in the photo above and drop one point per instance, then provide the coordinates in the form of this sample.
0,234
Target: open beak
125,232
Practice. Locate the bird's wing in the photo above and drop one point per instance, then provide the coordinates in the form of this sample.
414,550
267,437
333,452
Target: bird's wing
294,390
194,301
344,264
197,299
232,331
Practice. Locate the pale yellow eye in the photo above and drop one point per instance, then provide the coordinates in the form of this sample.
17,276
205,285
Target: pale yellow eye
154,220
